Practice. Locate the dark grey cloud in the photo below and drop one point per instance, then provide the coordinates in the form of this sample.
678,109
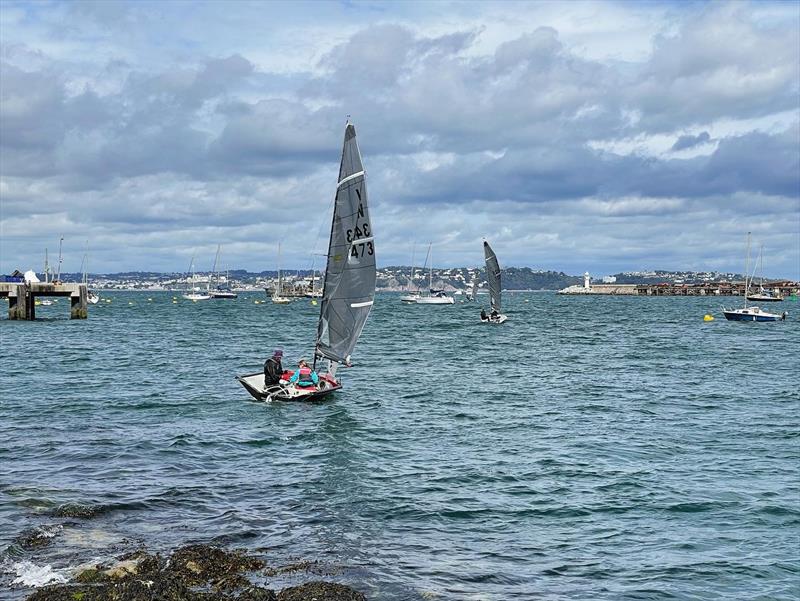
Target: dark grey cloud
690,141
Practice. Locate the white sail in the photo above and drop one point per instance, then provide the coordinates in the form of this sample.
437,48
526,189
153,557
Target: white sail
349,285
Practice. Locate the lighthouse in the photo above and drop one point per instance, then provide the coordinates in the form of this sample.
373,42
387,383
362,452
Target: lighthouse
586,281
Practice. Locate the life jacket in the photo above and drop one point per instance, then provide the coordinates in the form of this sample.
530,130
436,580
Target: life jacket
305,377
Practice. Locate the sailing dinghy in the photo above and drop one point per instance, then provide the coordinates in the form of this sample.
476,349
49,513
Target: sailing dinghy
348,288
493,279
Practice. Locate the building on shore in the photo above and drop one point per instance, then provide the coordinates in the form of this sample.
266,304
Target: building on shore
590,288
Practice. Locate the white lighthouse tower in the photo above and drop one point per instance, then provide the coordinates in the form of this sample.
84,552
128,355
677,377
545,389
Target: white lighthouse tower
586,281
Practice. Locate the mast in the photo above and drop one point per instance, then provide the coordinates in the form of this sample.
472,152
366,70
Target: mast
746,269
430,268
46,268
214,270
58,275
761,268
85,265
280,282
413,251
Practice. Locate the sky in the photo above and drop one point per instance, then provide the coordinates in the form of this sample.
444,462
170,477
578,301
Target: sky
575,136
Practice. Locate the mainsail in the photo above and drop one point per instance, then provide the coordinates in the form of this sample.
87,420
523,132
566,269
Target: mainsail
492,275
349,287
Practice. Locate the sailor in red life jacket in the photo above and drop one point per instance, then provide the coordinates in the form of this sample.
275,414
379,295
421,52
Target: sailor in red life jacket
304,376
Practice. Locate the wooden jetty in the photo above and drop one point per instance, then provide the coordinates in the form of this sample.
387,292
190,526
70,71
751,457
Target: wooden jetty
22,298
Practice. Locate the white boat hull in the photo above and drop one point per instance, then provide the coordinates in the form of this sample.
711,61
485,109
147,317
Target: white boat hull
499,319
195,297
434,300
409,298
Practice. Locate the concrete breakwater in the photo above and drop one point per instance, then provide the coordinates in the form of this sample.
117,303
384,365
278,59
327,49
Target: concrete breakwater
782,289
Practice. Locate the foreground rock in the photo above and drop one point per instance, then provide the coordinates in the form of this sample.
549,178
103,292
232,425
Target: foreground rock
192,573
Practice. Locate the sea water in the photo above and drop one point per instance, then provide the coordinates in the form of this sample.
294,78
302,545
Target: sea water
588,448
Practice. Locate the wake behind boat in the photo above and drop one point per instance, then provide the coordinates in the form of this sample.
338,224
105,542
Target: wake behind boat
348,286
493,279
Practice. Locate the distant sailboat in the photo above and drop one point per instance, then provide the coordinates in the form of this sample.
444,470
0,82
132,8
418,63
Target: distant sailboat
763,296
349,283
194,293
276,292
412,295
220,291
493,279
433,297
750,313
472,295
91,297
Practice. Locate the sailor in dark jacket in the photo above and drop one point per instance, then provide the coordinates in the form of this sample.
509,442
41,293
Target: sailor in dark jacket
273,370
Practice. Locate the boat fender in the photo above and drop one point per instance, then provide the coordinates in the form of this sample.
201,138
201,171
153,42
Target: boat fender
708,317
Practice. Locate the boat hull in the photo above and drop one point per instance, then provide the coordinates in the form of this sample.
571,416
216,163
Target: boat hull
751,315
434,300
254,384
499,319
764,299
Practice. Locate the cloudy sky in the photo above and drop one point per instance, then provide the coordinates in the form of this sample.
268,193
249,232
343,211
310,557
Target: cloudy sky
600,136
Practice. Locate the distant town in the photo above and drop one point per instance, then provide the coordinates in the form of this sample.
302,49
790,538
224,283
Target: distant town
389,278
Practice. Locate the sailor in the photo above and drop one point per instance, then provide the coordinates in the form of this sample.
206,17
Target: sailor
273,370
483,314
304,376
494,315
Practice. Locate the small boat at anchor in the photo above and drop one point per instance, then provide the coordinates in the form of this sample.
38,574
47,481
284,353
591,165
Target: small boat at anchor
220,291
348,286
493,279
763,295
195,293
751,313
434,296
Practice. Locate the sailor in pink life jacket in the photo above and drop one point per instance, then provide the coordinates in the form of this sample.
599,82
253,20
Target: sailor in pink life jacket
304,376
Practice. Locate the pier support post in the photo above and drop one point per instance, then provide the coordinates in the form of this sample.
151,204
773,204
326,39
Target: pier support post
79,303
18,303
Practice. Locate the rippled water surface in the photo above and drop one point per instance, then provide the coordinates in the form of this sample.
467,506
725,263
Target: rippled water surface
589,448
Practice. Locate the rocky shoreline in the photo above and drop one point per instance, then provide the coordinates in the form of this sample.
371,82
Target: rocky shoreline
196,572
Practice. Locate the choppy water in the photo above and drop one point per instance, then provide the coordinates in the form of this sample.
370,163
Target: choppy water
590,448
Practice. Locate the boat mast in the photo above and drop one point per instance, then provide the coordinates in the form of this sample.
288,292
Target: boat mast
58,275
430,268
746,269
413,251
761,268
280,283
214,274
46,268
